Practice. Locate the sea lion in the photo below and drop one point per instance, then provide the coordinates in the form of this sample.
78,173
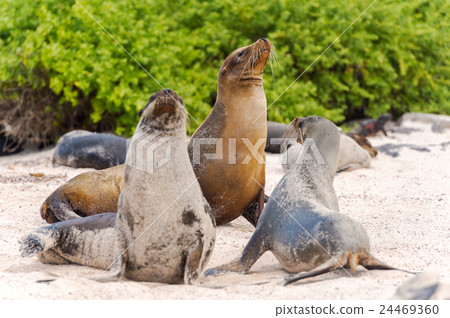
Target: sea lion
86,194
83,149
278,137
227,182
363,142
234,126
351,155
301,224
161,193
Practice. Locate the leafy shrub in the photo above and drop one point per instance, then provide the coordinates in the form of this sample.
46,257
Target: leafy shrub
393,59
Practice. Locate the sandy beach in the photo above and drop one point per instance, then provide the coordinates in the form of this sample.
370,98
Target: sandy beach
402,200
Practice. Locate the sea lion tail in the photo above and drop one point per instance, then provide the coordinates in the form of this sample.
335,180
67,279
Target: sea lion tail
369,262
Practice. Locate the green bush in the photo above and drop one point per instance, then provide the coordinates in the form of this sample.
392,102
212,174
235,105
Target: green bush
393,59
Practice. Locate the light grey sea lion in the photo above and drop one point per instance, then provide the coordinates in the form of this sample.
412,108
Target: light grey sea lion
351,155
301,224
164,230
434,119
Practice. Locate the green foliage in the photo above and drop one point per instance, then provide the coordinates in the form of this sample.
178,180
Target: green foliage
393,59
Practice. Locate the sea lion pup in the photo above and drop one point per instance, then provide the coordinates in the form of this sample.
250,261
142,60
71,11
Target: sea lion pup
237,125
84,149
164,230
301,224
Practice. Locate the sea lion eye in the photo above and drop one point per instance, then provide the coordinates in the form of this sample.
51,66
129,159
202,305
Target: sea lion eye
239,56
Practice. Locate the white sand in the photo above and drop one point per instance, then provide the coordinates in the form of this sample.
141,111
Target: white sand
403,202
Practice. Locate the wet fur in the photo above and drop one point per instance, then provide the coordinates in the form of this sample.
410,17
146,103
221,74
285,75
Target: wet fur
301,224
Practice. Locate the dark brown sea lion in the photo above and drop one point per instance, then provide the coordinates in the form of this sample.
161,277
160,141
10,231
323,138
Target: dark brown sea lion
227,182
164,230
301,224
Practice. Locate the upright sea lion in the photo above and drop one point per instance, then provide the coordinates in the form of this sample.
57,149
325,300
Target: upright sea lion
83,149
164,230
226,182
301,224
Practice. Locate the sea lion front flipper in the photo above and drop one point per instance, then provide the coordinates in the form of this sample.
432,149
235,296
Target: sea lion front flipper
256,246
329,266
253,212
193,259
209,211
57,208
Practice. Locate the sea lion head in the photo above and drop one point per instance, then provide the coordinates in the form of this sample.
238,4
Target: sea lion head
324,133
244,66
164,111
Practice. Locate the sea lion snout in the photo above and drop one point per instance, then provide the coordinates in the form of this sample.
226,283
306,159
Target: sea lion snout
164,110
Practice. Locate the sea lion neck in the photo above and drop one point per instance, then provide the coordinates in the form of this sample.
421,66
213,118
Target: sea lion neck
321,143
243,103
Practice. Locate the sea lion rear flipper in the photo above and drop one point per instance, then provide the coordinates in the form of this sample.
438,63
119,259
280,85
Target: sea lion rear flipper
193,259
369,262
329,266
253,212
39,241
